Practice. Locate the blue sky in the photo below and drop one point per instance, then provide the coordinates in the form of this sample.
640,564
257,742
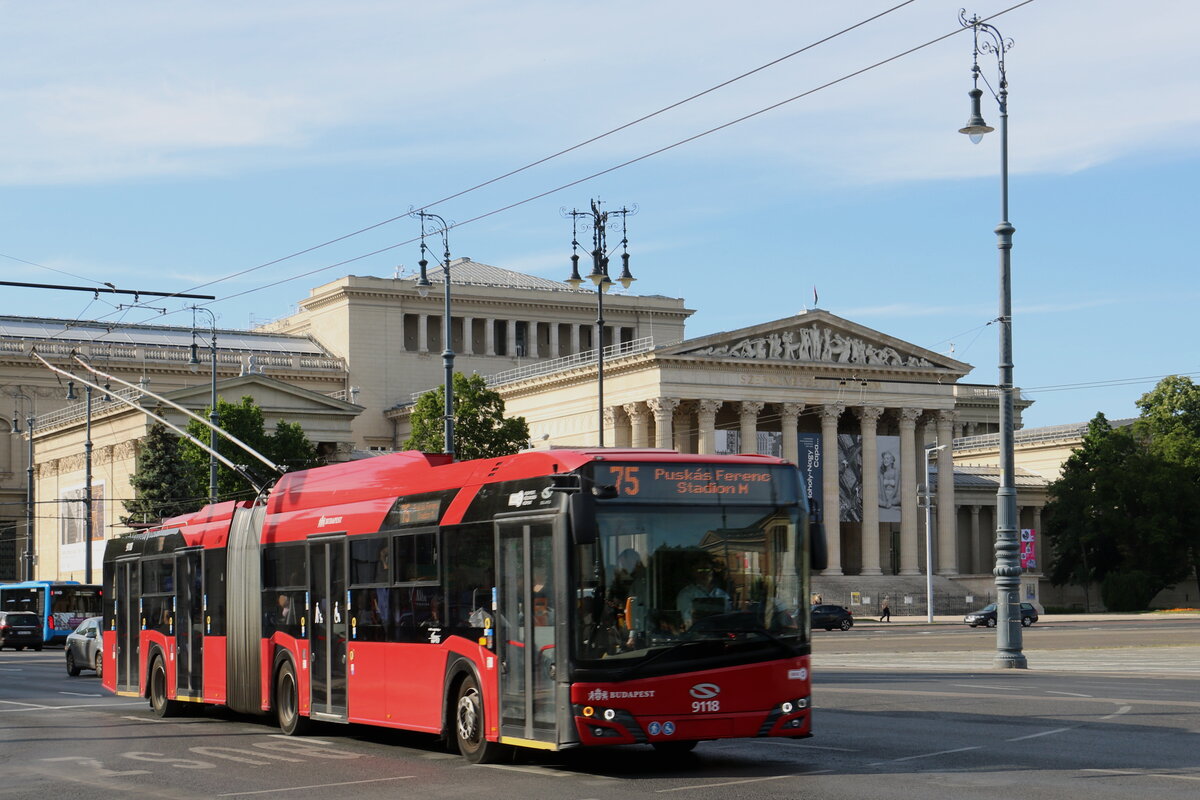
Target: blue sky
173,146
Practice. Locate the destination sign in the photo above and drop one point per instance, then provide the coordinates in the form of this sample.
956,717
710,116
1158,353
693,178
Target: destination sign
699,482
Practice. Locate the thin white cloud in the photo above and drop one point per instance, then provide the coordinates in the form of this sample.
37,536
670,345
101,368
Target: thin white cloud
130,89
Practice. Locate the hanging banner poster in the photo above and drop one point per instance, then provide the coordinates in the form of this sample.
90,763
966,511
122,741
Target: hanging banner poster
810,467
1028,549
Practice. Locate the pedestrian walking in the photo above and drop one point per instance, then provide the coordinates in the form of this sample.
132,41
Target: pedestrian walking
885,613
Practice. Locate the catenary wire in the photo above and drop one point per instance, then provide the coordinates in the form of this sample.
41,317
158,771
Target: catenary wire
608,170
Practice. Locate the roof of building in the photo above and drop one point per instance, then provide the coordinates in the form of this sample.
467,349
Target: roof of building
988,477
1073,431
464,271
117,333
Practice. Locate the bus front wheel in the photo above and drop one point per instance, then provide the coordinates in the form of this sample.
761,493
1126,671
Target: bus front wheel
159,704
469,725
287,702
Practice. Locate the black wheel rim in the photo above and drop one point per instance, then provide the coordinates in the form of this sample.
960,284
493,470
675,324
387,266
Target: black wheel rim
469,719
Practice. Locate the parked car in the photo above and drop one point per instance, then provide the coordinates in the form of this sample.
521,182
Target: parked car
85,647
987,616
831,616
20,629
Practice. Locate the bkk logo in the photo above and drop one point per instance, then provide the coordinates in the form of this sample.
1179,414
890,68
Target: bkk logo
323,521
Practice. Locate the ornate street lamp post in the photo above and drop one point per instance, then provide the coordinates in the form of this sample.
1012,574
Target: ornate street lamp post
599,277
423,286
1008,566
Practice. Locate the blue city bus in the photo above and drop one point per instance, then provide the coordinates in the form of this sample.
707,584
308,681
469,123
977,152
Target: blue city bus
60,605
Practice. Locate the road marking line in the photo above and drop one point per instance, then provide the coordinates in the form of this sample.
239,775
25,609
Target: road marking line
1036,735
300,739
552,773
62,708
81,694
1119,712
985,686
929,755
747,780
1070,694
316,786
1143,773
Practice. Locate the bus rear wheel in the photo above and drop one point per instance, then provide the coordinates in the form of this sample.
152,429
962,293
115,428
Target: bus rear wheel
287,702
159,704
469,725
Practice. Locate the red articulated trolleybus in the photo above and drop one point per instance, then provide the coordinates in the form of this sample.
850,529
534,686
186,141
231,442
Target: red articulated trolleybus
550,599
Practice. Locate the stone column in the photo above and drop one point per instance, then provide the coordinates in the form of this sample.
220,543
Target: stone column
749,425
789,417
510,338
467,324
974,567
909,528
706,419
489,337
610,425
422,333
531,338
682,428
554,340
869,426
947,509
664,413
574,338
831,510
639,423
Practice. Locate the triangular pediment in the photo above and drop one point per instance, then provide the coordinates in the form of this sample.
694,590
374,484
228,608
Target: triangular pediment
816,337
270,394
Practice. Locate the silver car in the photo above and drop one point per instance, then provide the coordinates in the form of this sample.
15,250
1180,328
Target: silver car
85,647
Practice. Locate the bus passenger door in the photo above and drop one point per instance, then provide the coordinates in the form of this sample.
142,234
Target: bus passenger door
128,624
525,629
330,627
188,629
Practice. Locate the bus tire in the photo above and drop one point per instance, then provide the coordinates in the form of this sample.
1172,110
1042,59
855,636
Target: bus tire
159,704
72,667
287,702
470,728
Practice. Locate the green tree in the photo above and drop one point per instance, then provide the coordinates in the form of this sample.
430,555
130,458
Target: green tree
480,428
1169,426
161,483
288,446
1120,516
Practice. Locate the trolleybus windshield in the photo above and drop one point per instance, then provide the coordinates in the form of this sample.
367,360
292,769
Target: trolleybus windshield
689,565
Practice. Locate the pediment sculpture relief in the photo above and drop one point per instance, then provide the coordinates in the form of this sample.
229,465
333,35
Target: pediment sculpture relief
815,344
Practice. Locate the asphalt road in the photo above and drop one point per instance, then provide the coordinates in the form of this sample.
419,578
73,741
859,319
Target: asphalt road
884,730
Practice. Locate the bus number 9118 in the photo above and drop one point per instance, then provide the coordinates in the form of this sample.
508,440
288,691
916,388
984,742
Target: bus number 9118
700,706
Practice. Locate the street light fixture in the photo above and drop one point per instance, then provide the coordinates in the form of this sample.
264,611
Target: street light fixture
1008,566
213,416
16,429
423,286
599,278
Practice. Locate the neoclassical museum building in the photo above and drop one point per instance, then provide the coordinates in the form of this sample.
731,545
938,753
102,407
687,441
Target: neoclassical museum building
865,415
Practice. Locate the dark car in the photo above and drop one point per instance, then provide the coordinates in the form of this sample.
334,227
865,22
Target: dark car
830,617
987,616
85,647
20,629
